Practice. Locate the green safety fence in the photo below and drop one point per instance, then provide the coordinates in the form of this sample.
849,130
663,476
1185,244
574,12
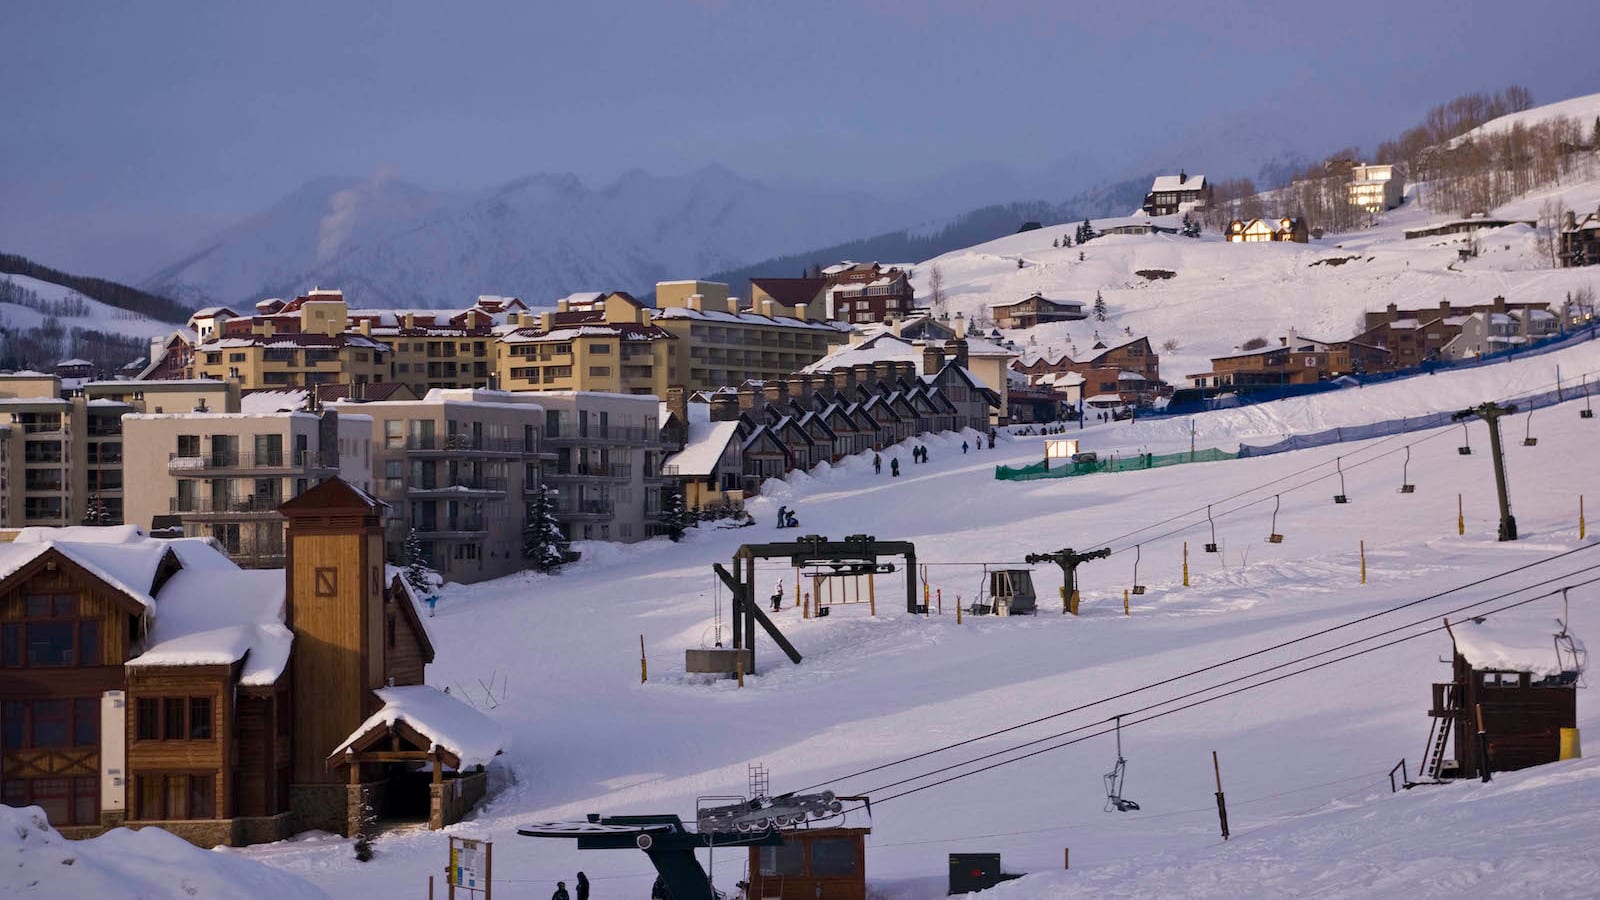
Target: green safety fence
1068,468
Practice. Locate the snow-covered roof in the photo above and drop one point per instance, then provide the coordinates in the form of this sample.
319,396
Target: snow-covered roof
74,362
452,725
707,441
1512,642
747,318
1171,183
122,556
882,347
214,613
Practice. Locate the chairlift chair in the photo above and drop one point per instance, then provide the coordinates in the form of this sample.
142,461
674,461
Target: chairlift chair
1406,487
1114,778
1137,587
1275,537
1588,406
1528,440
1341,497
1466,441
1212,547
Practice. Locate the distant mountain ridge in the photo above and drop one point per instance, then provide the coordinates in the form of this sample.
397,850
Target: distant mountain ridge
110,293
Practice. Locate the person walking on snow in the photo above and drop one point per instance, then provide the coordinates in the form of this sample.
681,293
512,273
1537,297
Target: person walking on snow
894,467
583,886
777,598
877,464
783,515
963,448
561,892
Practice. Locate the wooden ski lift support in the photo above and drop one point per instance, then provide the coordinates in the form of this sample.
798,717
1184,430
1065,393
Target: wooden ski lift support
1275,537
1341,497
1212,547
1491,413
1528,440
1113,778
1466,441
1406,487
1588,405
1137,587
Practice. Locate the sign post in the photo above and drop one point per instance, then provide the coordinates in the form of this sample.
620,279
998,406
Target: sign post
471,865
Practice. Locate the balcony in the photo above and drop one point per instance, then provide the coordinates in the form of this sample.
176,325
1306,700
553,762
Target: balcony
623,471
210,508
457,487
466,525
465,444
287,462
586,509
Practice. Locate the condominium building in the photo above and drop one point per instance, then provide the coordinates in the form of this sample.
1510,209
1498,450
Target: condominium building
63,456
457,468
1376,188
607,343
224,475
720,343
605,463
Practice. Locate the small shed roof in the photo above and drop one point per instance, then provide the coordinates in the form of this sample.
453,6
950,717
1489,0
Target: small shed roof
707,441
456,729
1512,642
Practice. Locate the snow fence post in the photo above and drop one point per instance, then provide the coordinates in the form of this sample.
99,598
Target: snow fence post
1363,561
644,668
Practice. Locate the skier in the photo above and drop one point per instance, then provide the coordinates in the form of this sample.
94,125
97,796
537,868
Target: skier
783,515
583,886
777,598
561,892
894,467
877,464
791,521
963,448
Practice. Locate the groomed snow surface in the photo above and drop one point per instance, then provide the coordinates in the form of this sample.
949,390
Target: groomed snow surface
554,659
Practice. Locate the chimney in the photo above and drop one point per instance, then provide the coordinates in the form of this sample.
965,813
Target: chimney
733,305
696,302
724,407
563,305
774,391
861,375
961,326
1182,176
365,327
906,371
766,308
884,370
747,398
544,322
1499,304
410,321
1393,313
958,350
1283,342
894,325
843,379
932,358
800,311
799,388
678,402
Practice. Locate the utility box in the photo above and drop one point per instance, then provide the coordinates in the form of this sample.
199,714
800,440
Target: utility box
718,661
973,872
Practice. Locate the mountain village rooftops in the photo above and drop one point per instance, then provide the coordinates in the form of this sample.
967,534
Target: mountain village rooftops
292,340
1164,183
625,331
704,448
747,318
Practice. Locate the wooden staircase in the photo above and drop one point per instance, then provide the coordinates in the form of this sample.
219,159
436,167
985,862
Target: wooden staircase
1444,715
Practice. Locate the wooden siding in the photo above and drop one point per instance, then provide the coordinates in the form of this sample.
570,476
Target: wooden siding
155,758
405,660
327,661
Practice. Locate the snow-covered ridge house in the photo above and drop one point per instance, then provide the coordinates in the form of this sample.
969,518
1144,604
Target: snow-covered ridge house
1261,230
1036,310
1172,194
153,682
1580,239
1118,374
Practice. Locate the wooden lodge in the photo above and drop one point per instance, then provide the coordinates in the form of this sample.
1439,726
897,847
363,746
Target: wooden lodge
1036,310
154,682
810,863
1260,230
1521,677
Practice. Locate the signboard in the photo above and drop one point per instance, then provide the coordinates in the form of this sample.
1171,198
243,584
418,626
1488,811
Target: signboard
469,864
1060,448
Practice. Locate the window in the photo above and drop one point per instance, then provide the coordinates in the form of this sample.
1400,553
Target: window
51,723
173,714
786,859
599,371
833,857
86,722
147,720
200,718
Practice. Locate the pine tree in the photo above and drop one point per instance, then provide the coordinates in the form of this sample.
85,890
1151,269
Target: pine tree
96,513
1085,232
1099,307
416,567
675,517
366,827
542,541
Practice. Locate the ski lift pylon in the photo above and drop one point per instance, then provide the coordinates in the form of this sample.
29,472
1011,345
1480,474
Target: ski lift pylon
1114,778
1274,537
1137,587
1406,487
1211,547
1341,497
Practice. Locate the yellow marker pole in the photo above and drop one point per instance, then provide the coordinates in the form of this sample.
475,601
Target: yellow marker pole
958,609
1185,563
796,585
805,607
1124,601
1363,562
644,669
1461,518
738,664
1582,529
872,595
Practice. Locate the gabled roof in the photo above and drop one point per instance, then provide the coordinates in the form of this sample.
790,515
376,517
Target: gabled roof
790,291
1164,183
409,603
426,715
330,495
701,453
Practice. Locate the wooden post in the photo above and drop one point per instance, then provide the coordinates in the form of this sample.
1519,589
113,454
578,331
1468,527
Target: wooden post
805,607
1461,517
1581,528
430,887
488,870
958,609
1222,803
1363,562
872,595
939,594
738,665
1124,601
1483,745
1066,857
644,669
816,591
1185,563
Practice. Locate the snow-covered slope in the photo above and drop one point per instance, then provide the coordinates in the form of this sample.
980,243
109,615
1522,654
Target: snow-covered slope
95,315
149,864
1225,294
1304,760
389,243
1585,109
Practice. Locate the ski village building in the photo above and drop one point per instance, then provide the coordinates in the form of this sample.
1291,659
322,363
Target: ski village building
1036,310
1122,374
1259,230
154,682
1173,194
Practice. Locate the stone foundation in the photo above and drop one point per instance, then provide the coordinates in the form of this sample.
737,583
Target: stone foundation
321,806
356,795
455,797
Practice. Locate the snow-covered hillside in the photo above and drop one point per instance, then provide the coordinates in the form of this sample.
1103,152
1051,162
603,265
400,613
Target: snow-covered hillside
389,243
1304,760
94,315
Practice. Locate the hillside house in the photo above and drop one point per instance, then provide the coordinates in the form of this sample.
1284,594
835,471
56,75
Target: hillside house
1296,360
1467,225
1484,333
1580,240
1036,310
1376,187
1173,194
861,293
1119,374
1260,230
789,295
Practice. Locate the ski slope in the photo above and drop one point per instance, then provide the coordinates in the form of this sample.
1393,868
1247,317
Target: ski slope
1304,759
100,317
